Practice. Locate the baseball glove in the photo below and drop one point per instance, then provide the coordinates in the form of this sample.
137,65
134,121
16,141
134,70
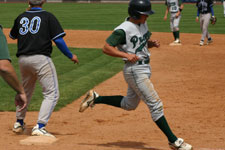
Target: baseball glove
213,20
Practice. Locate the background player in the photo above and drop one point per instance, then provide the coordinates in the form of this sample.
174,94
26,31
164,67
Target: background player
204,11
8,73
174,7
132,39
34,30
223,3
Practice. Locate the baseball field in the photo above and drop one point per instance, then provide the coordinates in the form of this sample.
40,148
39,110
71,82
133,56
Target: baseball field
189,79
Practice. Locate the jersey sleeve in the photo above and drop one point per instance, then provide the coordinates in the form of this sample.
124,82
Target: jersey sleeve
55,28
116,38
14,31
4,52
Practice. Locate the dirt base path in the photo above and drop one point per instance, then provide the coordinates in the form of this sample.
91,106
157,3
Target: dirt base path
189,79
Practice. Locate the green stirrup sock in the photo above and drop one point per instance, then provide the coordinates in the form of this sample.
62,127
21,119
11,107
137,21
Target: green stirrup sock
163,125
174,35
178,34
109,100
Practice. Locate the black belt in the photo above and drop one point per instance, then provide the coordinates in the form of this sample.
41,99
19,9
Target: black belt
140,62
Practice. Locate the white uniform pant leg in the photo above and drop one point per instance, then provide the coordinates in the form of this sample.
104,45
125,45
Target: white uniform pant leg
142,87
29,77
49,82
174,22
204,23
131,101
224,8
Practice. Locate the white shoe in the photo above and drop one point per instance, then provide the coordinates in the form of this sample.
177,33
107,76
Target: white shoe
88,100
18,128
41,132
201,43
176,42
179,144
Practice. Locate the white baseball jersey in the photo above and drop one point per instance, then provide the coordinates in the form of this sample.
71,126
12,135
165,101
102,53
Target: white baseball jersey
173,5
137,37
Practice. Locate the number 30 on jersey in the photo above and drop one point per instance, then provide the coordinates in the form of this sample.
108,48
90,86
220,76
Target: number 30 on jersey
32,26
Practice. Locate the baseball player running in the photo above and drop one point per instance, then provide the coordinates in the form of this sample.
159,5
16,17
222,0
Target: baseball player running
204,11
132,40
35,29
174,7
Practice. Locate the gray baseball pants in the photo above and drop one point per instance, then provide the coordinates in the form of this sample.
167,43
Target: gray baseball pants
41,68
204,23
141,87
174,22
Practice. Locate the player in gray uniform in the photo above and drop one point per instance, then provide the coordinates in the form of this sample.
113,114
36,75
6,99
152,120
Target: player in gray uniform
35,30
132,39
223,3
204,11
174,7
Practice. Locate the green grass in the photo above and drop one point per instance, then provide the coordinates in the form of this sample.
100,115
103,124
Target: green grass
94,67
97,16
74,80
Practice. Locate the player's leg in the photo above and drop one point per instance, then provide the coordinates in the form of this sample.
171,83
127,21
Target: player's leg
146,89
202,19
174,25
224,8
48,80
176,28
29,78
205,24
142,85
129,102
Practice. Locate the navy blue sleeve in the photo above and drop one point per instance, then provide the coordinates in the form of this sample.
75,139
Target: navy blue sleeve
212,12
60,43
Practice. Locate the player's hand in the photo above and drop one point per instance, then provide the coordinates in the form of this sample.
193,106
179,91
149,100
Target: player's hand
177,14
21,100
196,19
132,58
75,59
165,18
153,43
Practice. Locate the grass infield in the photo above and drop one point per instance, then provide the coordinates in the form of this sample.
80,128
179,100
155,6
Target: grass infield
74,80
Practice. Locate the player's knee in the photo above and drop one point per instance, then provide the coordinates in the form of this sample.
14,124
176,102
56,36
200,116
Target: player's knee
175,29
156,110
128,106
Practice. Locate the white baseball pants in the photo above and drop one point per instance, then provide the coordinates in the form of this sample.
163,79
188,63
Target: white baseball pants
141,87
41,68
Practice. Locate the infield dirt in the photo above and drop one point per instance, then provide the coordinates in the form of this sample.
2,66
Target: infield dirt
189,79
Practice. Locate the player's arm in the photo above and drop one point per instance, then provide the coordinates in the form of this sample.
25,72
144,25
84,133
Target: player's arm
166,13
181,6
116,38
153,43
9,75
198,12
60,43
211,8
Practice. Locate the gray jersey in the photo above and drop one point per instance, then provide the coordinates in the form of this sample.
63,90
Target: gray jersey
137,37
173,5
